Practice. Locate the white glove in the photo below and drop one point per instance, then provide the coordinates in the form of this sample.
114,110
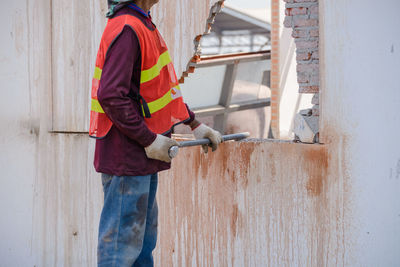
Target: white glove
203,131
159,148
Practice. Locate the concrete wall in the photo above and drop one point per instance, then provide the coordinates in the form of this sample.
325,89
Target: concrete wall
360,105
283,204
17,141
255,203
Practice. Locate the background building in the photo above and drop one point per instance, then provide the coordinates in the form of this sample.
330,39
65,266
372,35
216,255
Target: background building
237,30
253,203
231,82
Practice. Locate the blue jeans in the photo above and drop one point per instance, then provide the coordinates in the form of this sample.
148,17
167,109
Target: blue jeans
128,223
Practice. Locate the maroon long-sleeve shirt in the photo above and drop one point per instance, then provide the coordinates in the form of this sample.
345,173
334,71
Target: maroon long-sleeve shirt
121,151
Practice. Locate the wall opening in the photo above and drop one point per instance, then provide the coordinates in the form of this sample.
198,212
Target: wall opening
230,88
298,39
266,55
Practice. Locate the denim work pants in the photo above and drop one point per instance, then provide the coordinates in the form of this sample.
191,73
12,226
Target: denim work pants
128,223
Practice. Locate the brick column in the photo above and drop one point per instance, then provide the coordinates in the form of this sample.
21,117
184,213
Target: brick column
275,70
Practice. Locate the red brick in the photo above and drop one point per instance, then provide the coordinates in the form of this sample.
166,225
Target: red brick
308,89
275,3
314,33
296,11
304,22
310,68
274,85
315,55
275,79
300,33
274,105
303,56
274,93
314,79
314,10
275,108
275,31
306,44
303,78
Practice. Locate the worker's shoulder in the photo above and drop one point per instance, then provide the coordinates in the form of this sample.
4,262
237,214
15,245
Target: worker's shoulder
128,34
126,40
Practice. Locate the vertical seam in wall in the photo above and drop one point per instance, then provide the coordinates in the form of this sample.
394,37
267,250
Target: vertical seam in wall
29,47
322,67
51,67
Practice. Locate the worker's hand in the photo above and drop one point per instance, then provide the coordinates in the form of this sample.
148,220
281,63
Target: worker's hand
159,148
203,131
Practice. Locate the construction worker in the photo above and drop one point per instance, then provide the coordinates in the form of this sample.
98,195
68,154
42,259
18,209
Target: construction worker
136,101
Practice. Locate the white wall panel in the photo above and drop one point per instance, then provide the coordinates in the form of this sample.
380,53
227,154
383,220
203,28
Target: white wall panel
76,30
360,100
18,146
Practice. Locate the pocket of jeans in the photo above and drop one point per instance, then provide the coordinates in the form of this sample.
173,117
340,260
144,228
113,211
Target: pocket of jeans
106,178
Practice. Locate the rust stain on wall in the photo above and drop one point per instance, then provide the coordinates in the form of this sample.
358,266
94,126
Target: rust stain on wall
214,196
254,204
316,162
234,219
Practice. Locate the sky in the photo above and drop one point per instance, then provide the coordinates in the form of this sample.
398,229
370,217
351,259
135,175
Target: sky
249,3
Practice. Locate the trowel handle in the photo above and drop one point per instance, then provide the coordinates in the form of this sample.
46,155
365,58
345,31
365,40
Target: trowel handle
173,151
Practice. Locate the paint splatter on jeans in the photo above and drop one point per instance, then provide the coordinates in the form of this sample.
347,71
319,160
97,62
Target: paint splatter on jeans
128,223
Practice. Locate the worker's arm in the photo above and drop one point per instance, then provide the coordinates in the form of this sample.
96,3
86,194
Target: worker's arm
201,131
193,124
117,81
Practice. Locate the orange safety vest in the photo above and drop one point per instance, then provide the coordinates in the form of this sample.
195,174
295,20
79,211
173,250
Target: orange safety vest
160,95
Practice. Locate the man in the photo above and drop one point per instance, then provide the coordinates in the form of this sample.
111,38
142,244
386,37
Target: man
136,101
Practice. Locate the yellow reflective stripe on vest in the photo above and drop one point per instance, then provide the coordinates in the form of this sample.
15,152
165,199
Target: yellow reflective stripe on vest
160,103
97,73
150,74
96,106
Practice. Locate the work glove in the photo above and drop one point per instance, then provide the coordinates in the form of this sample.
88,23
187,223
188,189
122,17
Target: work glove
160,147
203,131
